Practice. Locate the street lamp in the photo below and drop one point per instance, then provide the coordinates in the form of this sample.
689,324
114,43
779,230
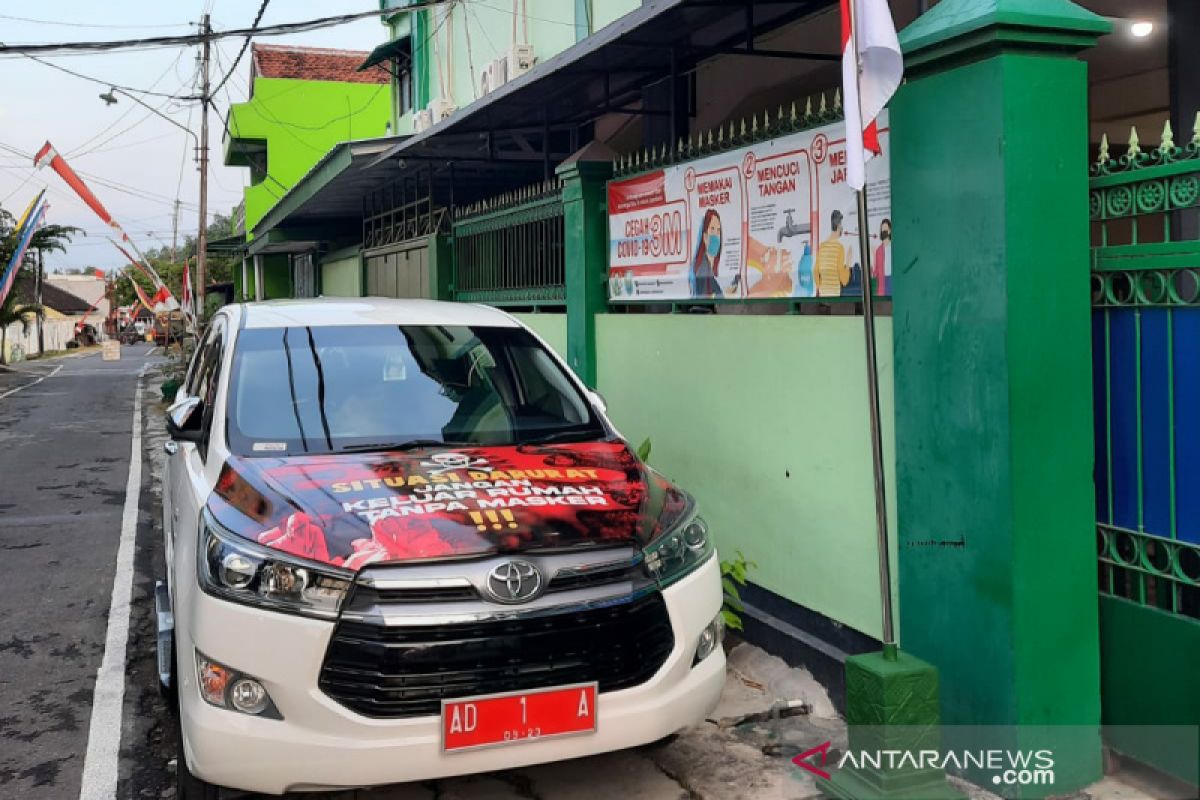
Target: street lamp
110,98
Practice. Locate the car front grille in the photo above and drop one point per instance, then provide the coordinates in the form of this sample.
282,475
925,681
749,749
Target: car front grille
407,671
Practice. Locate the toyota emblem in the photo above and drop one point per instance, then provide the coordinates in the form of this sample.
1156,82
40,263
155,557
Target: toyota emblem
514,582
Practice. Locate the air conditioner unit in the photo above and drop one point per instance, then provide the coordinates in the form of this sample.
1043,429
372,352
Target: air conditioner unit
422,120
520,60
499,72
440,109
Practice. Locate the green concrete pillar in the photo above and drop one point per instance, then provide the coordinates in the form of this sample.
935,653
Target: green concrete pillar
997,557
585,253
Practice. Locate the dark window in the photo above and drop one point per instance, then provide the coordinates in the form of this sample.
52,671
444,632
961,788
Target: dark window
327,389
208,379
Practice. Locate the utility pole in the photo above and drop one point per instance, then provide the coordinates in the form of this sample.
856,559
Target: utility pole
202,236
175,231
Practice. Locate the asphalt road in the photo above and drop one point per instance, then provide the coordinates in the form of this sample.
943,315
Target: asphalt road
65,427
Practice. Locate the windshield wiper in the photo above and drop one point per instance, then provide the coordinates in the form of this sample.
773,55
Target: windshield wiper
406,444
566,436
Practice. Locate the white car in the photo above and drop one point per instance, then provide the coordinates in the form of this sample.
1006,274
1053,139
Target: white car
403,542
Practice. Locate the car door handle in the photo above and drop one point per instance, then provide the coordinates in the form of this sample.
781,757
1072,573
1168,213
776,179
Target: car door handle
170,447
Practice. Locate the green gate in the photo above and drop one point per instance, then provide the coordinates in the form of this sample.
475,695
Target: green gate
1145,209
508,250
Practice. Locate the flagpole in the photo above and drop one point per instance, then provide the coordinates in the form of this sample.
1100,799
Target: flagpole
881,522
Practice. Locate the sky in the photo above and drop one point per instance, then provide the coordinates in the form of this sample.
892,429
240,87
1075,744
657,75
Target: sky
144,161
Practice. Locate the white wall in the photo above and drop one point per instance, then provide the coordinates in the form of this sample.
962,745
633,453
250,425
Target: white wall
55,332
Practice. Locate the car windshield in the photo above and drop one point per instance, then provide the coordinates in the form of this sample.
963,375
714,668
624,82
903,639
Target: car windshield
337,389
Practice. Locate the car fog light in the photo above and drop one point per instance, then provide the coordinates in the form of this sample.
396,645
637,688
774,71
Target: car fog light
229,689
710,639
248,696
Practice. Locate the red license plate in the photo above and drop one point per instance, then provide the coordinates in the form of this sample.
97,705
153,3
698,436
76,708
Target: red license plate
518,717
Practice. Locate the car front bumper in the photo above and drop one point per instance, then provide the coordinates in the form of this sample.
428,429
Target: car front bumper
321,745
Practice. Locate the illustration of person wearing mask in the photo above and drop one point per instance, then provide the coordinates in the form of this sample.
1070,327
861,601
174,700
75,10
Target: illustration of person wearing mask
707,262
831,271
881,268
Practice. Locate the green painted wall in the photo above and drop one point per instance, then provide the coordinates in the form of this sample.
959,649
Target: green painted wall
551,327
299,121
764,420
342,277
992,308
607,11
243,293
277,277
461,43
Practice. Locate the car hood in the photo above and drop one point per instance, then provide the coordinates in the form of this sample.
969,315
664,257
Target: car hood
351,510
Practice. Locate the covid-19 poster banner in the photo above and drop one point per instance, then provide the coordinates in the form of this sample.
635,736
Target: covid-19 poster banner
771,220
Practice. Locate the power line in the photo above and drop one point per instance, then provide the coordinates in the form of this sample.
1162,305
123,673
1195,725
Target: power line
93,25
82,76
191,39
245,43
127,111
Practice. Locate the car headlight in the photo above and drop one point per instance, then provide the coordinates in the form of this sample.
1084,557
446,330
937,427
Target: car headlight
240,571
679,550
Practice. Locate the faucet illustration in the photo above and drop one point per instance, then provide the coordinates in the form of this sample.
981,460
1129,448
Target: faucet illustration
790,228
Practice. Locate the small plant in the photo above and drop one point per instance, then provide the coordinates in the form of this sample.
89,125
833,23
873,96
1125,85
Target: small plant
175,369
733,578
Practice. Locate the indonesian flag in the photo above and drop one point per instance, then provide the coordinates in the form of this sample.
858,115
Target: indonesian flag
163,301
872,68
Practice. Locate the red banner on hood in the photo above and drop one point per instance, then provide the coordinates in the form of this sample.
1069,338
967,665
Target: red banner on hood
352,510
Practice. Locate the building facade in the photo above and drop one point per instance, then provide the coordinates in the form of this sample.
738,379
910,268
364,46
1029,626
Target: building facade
302,102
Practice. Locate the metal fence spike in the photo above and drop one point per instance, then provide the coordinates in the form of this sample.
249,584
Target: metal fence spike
1168,138
837,99
821,109
1196,132
754,124
720,137
1134,150
1103,158
743,127
793,118
808,107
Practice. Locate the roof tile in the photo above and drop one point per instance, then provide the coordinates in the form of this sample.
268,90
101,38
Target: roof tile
313,64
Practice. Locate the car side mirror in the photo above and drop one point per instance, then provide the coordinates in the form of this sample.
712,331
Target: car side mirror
184,419
598,401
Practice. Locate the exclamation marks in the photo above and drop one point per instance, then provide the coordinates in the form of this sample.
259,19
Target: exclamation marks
494,518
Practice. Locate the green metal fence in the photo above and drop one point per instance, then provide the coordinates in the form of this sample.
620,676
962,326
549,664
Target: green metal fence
1145,211
509,250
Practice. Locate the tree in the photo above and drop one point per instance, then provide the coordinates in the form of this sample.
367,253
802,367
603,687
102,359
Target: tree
170,270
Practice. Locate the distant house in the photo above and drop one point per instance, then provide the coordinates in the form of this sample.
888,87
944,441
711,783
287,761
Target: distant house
63,312
90,287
